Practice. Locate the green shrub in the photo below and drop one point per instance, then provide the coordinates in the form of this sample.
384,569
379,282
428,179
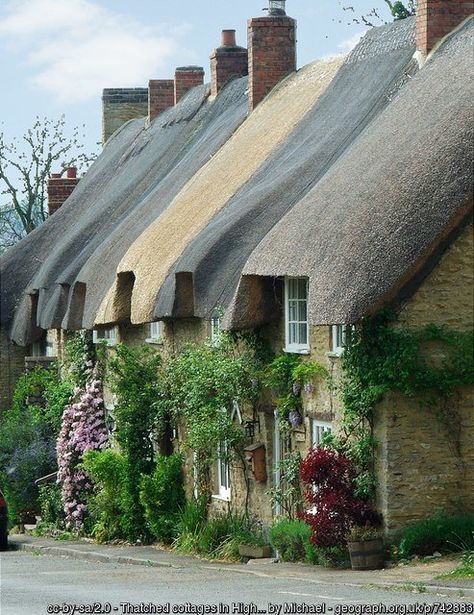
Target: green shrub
107,469
51,507
162,497
189,525
241,530
439,533
291,538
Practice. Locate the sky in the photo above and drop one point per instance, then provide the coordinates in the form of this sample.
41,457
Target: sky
56,56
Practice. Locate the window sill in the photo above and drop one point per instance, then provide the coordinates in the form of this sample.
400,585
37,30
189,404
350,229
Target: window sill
296,350
221,498
334,354
106,342
154,340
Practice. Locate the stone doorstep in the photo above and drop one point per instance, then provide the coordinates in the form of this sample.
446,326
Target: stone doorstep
406,576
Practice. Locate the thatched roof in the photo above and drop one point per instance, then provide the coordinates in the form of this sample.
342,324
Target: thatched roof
361,89
72,258
382,211
151,256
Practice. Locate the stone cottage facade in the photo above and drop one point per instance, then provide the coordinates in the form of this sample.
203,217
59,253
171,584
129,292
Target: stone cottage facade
334,191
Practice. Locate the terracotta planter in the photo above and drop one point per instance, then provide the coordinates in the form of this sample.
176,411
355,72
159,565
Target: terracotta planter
366,554
253,552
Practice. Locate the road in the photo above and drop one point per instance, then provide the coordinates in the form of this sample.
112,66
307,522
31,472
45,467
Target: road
30,584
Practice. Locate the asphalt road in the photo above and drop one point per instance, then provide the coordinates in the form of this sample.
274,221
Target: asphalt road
40,584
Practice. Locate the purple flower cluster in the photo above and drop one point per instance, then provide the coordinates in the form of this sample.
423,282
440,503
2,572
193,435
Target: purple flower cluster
83,429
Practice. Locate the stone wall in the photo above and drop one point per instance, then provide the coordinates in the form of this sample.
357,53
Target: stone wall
426,455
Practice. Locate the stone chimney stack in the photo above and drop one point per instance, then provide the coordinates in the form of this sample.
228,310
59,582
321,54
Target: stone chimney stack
160,96
272,50
186,78
227,62
436,18
120,105
60,188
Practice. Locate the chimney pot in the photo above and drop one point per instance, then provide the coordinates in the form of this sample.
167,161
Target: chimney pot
71,172
228,38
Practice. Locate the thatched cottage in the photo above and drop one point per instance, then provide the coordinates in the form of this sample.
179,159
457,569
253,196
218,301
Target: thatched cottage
297,201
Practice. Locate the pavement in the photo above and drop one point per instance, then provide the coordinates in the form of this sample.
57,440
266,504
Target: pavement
417,577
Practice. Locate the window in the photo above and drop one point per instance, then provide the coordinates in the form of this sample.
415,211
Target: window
156,332
296,315
215,330
49,348
340,334
223,472
108,335
318,429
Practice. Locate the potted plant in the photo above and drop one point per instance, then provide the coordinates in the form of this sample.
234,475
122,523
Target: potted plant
366,549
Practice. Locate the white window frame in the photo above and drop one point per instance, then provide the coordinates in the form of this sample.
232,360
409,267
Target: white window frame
318,428
215,330
299,347
223,473
49,348
155,332
109,335
339,338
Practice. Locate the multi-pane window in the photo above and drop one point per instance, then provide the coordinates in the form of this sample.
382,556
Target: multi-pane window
296,315
108,335
215,329
223,472
318,429
156,332
340,335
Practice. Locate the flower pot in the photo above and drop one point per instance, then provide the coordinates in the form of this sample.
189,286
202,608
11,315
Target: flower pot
366,554
254,552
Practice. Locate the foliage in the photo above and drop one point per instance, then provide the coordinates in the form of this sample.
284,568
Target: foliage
381,357
83,429
134,377
329,478
398,10
25,166
201,384
292,540
288,494
27,436
189,525
439,533
106,469
50,503
80,357
162,497
287,376
465,569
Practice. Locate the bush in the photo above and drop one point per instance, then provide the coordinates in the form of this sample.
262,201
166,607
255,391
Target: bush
439,533
292,540
189,525
329,479
106,504
51,507
162,497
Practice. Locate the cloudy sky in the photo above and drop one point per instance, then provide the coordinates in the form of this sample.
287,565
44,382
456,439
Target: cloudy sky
56,56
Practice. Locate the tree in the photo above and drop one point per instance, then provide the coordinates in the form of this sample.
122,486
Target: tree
25,166
398,10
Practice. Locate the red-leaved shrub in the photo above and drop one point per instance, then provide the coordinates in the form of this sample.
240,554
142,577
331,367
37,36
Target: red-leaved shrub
328,479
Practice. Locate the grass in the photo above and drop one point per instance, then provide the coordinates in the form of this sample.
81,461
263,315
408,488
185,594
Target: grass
464,570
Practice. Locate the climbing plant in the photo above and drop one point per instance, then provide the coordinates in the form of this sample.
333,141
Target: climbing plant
203,383
381,357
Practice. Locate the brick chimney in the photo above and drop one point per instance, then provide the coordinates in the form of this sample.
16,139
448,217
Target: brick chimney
120,105
272,50
186,78
160,96
227,61
60,188
436,18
